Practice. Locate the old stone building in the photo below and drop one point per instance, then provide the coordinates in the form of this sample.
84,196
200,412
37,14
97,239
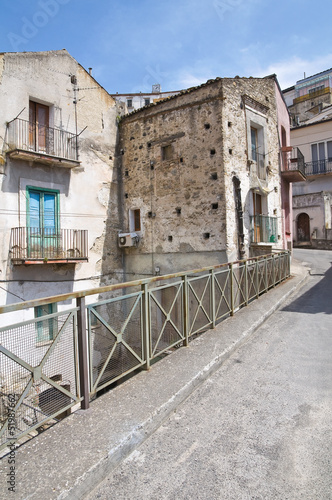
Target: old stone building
201,175
58,134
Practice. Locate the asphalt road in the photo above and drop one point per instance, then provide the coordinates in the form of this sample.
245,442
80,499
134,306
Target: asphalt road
260,427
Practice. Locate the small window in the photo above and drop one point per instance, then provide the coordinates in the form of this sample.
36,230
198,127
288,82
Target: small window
166,152
135,220
129,103
212,152
46,329
214,176
146,102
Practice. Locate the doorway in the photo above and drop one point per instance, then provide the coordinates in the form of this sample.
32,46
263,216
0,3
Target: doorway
303,227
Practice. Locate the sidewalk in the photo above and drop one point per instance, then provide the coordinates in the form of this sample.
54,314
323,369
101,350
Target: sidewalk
72,457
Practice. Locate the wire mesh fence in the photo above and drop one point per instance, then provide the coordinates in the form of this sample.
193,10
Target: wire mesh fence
38,380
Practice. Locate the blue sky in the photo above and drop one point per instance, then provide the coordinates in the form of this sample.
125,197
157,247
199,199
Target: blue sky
132,44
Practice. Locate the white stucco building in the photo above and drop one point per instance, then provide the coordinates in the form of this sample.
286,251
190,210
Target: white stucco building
58,180
139,100
310,105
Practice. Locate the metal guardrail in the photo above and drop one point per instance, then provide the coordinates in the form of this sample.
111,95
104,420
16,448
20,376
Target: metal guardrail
130,325
34,243
318,167
26,136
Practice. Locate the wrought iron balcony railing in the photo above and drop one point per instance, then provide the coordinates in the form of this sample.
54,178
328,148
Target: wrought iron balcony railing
319,167
293,166
35,245
263,229
312,95
32,138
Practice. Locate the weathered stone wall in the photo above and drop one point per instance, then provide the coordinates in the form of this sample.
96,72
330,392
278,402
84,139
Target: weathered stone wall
236,133
181,198
178,161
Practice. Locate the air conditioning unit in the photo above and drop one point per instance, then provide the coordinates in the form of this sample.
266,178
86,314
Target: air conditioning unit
128,239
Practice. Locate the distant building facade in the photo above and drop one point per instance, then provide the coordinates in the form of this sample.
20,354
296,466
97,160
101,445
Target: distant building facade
309,96
139,100
311,112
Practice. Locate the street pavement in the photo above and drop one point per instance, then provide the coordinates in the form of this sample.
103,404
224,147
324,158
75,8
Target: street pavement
260,426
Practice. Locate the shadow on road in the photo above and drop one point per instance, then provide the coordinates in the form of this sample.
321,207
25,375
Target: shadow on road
318,299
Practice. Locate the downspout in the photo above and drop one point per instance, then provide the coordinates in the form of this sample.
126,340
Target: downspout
239,213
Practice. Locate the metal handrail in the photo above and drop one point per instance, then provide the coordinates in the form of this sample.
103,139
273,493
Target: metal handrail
128,284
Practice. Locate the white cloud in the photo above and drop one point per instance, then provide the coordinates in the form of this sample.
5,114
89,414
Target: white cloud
293,69
192,76
186,80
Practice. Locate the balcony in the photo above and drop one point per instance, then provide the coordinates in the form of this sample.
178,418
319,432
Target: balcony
312,95
41,144
33,245
263,229
319,167
293,169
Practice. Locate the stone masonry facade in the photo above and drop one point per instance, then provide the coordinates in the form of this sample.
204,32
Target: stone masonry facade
179,160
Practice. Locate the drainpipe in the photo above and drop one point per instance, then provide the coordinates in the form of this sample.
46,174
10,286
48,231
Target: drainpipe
239,213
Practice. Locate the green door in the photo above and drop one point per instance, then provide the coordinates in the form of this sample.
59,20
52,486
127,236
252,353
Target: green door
42,219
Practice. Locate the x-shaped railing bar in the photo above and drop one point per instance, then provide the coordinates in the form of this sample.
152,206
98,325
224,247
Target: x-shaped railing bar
239,282
18,404
261,270
252,270
199,300
56,338
168,318
117,335
223,297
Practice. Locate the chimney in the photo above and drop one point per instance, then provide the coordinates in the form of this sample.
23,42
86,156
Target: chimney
90,71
